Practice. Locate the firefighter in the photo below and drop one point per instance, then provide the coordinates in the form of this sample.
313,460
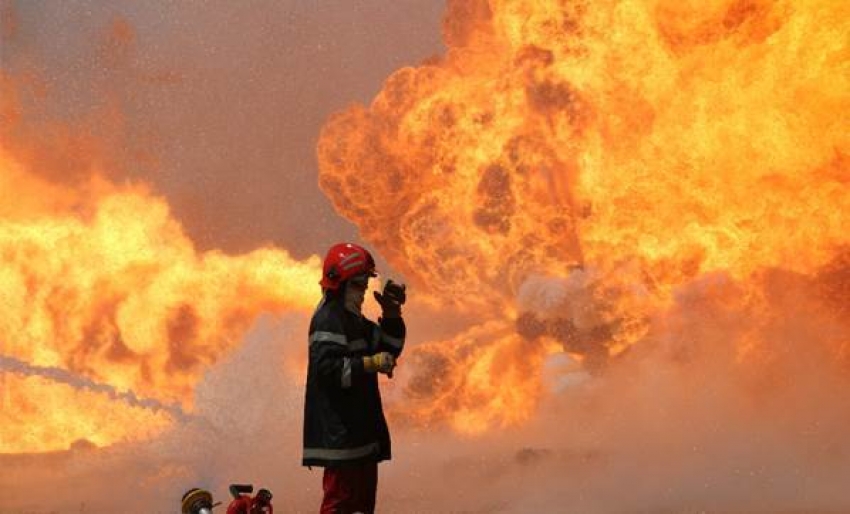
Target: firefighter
243,503
345,431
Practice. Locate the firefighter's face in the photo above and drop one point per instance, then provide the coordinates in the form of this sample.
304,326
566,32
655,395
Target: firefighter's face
356,291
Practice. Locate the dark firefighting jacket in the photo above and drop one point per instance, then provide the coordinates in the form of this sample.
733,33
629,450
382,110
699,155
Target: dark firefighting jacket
343,416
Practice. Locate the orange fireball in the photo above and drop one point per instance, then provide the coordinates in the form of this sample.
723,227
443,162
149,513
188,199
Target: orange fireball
641,144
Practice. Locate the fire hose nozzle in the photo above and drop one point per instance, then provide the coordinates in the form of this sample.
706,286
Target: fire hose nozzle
196,501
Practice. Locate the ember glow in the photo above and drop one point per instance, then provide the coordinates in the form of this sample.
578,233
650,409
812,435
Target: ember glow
633,148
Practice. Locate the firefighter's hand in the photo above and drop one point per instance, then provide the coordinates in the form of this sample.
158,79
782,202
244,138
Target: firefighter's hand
383,362
391,299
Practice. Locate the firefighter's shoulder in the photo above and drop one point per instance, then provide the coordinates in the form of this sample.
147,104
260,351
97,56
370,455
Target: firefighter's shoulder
327,320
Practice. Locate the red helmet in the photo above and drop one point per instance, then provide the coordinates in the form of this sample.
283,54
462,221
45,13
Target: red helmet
343,261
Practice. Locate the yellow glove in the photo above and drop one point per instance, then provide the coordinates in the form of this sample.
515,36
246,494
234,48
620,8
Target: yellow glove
383,362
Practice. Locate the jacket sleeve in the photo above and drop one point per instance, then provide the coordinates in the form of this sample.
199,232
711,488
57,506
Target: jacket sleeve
391,335
329,355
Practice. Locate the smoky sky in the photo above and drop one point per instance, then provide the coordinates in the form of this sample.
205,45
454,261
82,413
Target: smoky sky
217,104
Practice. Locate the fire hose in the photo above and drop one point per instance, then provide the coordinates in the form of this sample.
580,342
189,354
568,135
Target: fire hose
200,501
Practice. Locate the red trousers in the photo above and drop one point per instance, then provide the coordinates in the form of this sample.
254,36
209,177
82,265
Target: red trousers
350,489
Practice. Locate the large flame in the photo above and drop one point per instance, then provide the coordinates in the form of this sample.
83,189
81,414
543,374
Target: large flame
641,144
559,177
100,283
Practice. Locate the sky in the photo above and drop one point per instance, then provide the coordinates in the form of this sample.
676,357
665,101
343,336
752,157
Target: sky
217,104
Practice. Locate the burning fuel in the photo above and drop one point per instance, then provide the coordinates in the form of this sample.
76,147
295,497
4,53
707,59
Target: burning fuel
101,282
620,151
